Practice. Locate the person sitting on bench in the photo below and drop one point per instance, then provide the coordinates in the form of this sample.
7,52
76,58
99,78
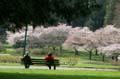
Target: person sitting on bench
27,60
50,61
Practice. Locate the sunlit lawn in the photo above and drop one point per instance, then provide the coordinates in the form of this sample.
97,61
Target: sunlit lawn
57,74
81,61
77,63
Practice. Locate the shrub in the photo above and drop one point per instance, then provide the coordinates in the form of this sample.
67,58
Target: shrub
2,49
10,59
17,51
38,51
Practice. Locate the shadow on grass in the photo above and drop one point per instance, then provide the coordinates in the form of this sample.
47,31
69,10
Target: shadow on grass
47,76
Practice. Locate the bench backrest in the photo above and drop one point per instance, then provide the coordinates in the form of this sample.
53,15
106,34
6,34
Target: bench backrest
43,62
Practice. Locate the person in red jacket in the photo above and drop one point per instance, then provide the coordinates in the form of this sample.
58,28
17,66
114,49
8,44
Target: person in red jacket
50,61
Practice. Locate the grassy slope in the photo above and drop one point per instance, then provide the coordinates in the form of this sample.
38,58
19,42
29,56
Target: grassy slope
57,74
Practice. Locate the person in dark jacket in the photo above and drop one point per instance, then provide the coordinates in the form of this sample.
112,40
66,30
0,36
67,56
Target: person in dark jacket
50,61
27,60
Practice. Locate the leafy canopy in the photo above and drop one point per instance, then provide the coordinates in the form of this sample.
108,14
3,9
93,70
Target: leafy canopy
44,12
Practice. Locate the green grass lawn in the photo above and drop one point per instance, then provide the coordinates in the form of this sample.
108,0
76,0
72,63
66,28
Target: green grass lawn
84,63
57,74
77,62
68,56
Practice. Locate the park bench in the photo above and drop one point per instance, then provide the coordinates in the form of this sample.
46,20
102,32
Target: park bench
42,62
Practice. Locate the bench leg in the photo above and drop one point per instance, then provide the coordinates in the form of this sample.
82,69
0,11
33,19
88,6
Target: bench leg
49,66
54,67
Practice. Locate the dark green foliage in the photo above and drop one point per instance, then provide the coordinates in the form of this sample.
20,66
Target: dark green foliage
2,49
3,35
43,12
110,14
18,44
96,19
99,18
14,12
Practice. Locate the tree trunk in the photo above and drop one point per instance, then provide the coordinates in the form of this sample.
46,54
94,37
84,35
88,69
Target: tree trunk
103,58
116,58
54,48
61,49
113,58
90,55
96,52
76,52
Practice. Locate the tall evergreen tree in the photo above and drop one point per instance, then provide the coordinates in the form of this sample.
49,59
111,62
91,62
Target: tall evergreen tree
96,19
110,8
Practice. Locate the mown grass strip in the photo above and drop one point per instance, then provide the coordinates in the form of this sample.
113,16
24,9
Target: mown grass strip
57,74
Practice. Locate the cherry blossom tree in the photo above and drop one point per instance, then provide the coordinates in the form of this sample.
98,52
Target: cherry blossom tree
82,38
55,36
112,50
77,38
42,37
108,41
108,35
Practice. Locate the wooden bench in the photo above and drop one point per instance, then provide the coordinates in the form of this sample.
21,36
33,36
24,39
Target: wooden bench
35,61
43,62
